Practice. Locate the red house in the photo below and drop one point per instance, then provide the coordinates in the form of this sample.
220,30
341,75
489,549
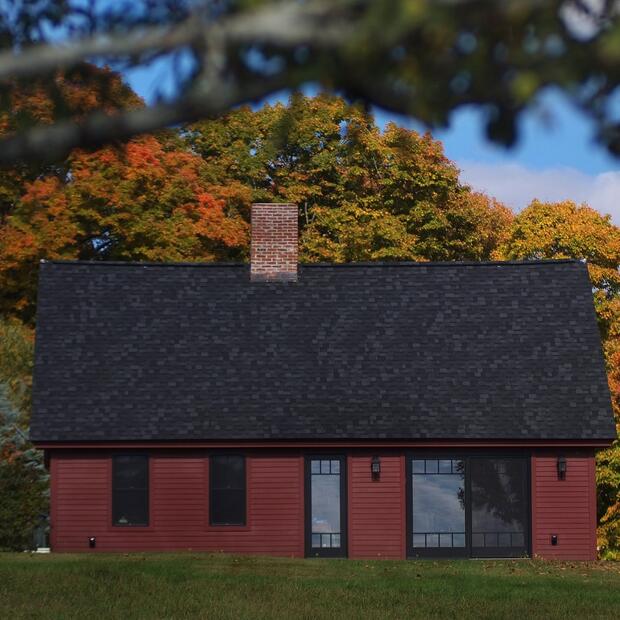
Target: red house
389,410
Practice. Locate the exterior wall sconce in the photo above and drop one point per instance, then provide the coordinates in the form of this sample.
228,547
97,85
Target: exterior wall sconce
561,467
92,542
375,467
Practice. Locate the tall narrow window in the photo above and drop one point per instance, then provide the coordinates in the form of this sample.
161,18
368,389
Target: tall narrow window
325,516
227,490
130,489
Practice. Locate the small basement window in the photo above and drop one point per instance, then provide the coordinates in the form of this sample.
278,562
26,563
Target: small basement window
130,490
227,503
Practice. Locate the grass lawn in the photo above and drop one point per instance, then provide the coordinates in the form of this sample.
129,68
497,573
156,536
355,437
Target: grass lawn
223,586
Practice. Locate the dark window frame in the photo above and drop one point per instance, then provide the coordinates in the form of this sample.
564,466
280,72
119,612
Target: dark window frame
227,524
324,552
147,490
468,551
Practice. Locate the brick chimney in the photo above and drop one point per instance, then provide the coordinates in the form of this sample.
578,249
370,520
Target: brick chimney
274,241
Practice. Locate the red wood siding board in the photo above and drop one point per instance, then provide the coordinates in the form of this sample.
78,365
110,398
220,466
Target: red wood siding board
81,492
376,523
566,508
179,504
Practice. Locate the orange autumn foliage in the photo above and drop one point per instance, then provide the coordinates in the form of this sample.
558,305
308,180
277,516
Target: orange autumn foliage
69,95
142,201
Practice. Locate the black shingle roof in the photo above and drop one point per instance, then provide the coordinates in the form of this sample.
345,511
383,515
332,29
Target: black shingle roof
383,351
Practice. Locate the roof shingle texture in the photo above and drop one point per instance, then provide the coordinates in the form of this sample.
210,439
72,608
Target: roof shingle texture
381,351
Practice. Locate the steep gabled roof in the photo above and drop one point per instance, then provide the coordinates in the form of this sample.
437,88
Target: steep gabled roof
363,351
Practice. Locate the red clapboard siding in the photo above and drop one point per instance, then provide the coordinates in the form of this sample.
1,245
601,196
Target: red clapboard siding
376,508
566,508
179,507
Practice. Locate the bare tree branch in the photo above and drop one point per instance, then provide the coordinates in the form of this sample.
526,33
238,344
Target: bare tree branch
283,24
43,59
422,62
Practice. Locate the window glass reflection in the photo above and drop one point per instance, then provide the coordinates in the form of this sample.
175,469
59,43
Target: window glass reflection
458,540
432,466
432,540
325,503
418,466
497,505
419,540
445,467
499,502
438,502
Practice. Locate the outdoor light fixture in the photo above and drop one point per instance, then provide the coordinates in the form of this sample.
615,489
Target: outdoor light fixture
561,467
92,542
375,467
554,539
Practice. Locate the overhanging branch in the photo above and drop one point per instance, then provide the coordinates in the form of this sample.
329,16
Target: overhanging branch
283,24
53,141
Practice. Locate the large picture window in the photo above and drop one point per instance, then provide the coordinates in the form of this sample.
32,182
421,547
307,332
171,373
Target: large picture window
130,490
227,504
474,506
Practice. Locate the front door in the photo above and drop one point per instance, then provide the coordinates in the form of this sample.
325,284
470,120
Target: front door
326,534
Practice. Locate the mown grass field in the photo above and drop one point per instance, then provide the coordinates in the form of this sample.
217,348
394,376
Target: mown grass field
222,586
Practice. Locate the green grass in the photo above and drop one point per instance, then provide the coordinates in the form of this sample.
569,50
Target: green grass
222,586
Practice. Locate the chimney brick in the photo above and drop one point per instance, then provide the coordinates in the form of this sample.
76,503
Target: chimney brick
274,243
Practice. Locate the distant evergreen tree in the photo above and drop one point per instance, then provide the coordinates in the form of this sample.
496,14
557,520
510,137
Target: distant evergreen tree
24,491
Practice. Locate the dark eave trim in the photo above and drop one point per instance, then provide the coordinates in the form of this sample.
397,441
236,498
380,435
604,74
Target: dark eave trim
330,443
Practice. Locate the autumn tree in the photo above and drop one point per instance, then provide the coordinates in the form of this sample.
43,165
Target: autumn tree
74,94
364,194
16,363
147,199
568,230
139,201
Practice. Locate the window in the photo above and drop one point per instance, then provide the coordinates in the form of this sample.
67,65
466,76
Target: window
325,503
468,505
438,493
326,533
498,504
130,490
227,490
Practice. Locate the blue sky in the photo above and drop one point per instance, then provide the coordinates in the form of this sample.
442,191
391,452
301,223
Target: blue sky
556,157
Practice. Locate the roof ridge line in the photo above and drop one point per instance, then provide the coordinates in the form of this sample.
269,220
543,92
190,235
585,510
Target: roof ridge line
510,263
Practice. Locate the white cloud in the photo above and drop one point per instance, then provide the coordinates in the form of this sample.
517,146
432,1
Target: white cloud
516,186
